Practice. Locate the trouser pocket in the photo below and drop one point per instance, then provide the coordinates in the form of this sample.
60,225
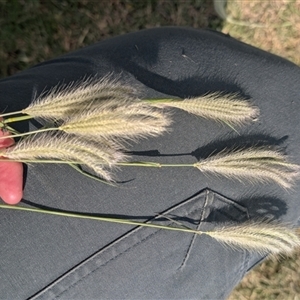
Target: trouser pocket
151,263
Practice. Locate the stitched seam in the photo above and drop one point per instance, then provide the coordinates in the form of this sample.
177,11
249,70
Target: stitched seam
194,235
104,264
127,235
121,253
113,258
121,239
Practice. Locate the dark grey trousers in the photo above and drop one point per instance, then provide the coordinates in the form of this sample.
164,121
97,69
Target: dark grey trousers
50,257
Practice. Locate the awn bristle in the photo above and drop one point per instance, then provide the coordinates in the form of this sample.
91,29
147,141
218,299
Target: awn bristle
256,164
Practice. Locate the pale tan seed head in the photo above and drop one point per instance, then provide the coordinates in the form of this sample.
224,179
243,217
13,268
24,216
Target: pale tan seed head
96,156
227,108
123,122
63,101
254,164
261,237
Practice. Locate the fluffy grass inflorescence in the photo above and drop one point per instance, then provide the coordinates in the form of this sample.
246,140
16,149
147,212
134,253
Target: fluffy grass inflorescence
228,108
255,164
130,121
62,102
262,237
96,156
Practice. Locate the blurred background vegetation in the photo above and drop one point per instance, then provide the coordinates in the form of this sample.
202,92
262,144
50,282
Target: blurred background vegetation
32,31
35,30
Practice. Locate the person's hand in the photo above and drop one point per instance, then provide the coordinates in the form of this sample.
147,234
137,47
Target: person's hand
11,176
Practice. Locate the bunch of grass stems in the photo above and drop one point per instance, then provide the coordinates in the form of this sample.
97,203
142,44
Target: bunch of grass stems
63,102
92,120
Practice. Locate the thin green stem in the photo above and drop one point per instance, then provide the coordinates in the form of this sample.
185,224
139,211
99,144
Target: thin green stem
151,164
29,132
11,113
41,161
123,164
10,129
17,119
166,100
103,219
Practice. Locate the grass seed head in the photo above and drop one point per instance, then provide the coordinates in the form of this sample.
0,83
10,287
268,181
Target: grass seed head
262,237
225,108
123,122
96,156
62,102
254,164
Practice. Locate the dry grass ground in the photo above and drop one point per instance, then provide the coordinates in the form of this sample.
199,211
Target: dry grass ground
273,26
35,30
271,280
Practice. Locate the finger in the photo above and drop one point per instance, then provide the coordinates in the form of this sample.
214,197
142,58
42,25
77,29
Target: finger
11,176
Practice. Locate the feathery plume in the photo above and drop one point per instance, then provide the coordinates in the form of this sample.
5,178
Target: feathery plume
226,108
61,102
122,122
261,237
257,164
95,156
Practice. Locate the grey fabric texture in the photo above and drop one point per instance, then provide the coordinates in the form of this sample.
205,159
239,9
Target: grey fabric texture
49,257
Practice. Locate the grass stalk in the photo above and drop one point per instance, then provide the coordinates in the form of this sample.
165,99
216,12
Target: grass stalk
11,114
104,219
253,164
264,238
17,119
34,132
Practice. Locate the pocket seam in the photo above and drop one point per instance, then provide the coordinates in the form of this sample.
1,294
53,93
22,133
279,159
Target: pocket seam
194,207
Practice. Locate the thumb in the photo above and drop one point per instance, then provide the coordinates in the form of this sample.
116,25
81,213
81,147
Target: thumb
11,176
